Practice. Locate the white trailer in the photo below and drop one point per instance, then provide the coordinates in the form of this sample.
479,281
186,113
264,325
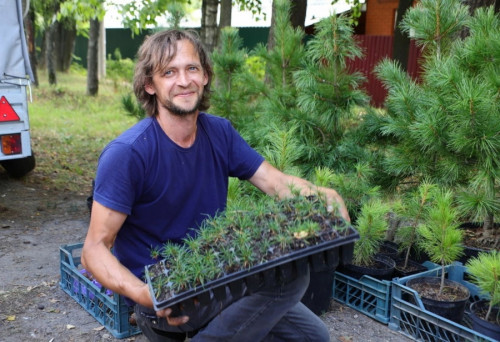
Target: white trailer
16,155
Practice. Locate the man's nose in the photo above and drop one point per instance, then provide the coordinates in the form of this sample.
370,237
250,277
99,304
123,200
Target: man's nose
183,78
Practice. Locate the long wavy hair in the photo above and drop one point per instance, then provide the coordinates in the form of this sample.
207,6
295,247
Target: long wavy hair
154,55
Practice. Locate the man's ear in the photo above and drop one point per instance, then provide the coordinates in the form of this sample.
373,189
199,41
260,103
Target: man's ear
148,87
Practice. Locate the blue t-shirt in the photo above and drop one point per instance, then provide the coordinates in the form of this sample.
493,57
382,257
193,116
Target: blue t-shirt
167,190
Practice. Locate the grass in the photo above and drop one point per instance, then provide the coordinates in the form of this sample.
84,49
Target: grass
69,129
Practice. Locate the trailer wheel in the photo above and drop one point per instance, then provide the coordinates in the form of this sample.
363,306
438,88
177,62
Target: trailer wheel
17,168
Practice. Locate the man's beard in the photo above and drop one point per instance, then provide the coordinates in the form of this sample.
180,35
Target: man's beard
172,108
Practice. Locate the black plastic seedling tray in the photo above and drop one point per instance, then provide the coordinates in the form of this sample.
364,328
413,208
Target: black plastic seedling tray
323,256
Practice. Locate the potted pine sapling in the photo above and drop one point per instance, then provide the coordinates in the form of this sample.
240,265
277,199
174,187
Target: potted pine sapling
253,242
485,273
371,225
441,238
411,210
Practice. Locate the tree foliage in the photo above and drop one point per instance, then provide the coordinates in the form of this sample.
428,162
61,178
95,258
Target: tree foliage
445,128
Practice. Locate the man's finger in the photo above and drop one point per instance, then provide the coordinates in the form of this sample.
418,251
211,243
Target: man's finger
174,321
164,313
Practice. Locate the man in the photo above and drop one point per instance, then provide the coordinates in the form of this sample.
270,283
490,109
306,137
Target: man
162,177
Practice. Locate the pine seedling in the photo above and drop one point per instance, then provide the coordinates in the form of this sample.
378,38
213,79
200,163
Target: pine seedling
440,236
284,240
304,230
155,253
485,272
195,269
246,255
412,210
193,244
211,266
371,225
160,283
171,250
354,187
132,107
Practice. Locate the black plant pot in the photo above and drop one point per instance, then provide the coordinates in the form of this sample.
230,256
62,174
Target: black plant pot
419,256
412,267
390,249
452,310
382,269
470,252
319,293
482,326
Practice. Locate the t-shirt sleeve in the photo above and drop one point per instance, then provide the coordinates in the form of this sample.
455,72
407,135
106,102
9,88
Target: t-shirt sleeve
115,187
243,159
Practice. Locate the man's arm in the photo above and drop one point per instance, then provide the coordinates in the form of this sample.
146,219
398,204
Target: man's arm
276,183
103,265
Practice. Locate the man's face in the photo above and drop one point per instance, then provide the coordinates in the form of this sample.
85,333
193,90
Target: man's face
179,89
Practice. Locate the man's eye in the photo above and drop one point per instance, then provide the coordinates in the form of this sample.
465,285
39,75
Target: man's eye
168,72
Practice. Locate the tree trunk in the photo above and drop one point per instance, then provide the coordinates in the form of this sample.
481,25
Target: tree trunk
270,38
41,57
50,53
401,42
101,59
92,55
489,226
209,29
65,43
29,26
226,8
298,13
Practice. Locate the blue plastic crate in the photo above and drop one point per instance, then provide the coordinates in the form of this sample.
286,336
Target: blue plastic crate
409,316
367,295
109,309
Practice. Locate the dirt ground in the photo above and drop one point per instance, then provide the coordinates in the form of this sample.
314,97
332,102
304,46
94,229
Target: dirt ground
34,222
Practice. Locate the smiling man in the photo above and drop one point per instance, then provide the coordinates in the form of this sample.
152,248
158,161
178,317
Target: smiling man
162,177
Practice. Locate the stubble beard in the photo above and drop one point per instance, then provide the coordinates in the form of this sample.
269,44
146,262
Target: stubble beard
176,110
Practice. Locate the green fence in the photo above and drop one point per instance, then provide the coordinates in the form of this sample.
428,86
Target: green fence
128,44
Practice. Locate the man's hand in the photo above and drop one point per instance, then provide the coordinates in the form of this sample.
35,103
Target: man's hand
273,182
173,321
335,201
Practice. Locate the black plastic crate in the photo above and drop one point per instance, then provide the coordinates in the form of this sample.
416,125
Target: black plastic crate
109,309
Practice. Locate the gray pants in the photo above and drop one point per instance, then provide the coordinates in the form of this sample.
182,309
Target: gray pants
270,314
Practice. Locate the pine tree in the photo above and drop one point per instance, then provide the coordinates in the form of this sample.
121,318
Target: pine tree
328,93
327,89
274,130
278,93
446,128
231,94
